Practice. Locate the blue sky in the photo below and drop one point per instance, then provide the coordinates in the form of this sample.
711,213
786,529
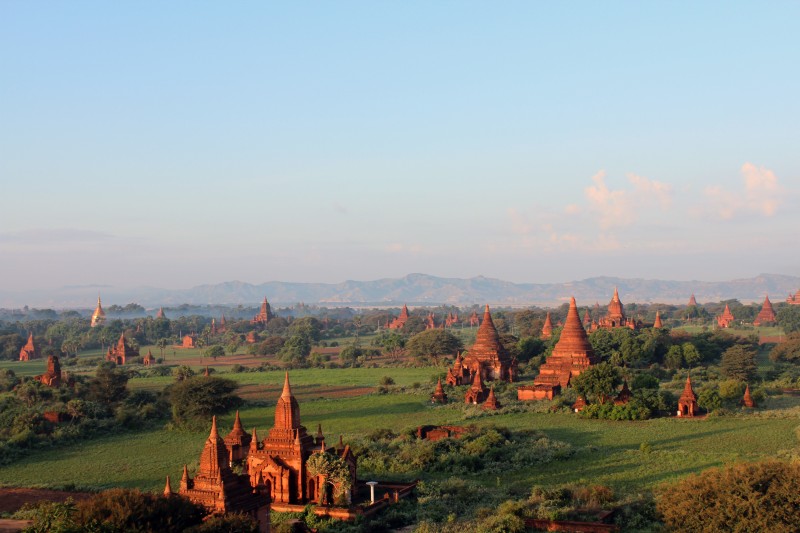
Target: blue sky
173,144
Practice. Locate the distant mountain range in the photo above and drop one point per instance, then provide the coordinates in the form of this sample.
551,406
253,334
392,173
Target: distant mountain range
416,289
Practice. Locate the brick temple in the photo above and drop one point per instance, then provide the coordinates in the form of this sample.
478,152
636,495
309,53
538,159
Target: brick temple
571,355
30,350
121,351
53,377
216,487
264,315
726,318
687,403
615,316
487,357
766,315
794,299
278,462
400,321
547,328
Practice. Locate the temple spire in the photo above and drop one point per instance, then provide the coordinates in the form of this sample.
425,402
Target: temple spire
167,489
287,389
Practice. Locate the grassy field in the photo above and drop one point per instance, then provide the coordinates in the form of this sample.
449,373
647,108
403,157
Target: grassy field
343,401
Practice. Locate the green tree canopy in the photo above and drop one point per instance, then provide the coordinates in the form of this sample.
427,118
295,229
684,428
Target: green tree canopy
739,362
788,350
598,382
433,343
194,400
109,385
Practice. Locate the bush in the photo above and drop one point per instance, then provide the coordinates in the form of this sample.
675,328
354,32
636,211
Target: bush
195,400
746,497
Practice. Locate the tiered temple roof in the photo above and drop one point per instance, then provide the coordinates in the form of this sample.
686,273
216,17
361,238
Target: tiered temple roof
571,355
488,356
237,441
30,350
216,486
615,317
766,315
264,315
279,463
692,301
726,318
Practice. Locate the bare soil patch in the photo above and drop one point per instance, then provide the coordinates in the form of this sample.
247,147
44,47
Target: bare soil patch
12,498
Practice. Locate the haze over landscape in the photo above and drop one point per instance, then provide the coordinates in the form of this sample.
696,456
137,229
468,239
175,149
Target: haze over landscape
186,144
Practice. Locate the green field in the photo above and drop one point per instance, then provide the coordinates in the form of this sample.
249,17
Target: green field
343,401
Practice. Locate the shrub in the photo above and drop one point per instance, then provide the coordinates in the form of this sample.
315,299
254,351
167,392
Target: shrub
761,496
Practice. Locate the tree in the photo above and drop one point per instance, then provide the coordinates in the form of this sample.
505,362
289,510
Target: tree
598,382
308,327
109,384
789,318
761,496
739,362
214,351
336,473
194,400
674,358
392,343
296,349
788,350
162,343
433,343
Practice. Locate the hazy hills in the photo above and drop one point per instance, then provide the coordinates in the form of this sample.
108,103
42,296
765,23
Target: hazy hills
416,289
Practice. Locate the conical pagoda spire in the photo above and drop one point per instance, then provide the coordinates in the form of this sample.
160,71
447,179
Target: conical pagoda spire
573,338
168,489
767,313
747,400
487,345
215,455
657,323
254,442
185,481
547,328
687,387
439,388
287,411
477,381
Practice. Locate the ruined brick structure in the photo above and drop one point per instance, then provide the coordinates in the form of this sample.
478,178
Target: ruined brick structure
726,318
473,319
264,315
160,313
30,350
547,328
794,299
149,360
278,463
624,395
571,355
435,433
121,351
217,487
488,356
692,301
99,316
430,321
451,320
687,403
53,377
189,341
400,321
766,315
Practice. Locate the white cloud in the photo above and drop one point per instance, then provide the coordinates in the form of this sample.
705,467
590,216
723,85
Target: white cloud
762,194
620,208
